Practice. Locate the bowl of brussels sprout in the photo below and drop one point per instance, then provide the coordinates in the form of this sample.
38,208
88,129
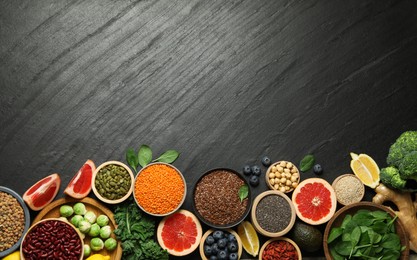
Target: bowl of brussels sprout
113,182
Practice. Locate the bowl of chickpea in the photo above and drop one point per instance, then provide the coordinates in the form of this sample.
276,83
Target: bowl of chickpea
282,176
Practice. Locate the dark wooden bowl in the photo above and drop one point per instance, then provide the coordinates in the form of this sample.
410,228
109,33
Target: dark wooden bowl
337,219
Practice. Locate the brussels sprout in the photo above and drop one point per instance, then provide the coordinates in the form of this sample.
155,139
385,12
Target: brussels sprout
64,219
110,244
94,230
79,208
84,226
102,220
96,244
66,211
87,250
105,232
75,220
90,217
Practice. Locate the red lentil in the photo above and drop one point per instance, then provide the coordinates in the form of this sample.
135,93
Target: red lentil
280,249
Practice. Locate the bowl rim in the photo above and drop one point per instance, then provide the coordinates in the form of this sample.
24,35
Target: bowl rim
255,221
269,170
27,220
211,230
371,206
54,219
183,197
98,195
230,225
297,248
343,176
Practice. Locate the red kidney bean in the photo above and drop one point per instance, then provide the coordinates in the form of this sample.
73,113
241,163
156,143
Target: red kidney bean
52,239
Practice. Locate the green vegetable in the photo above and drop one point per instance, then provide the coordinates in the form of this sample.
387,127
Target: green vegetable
136,231
90,217
167,157
84,226
132,158
75,220
110,244
307,163
96,244
365,235
79,208
105,232
94,230
144,157
102,220
66,211
401,172
243,192
87,250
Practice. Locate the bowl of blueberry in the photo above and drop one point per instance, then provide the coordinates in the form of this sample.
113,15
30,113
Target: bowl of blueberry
221,244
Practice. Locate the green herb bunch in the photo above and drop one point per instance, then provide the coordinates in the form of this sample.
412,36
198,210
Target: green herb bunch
365,235
144,156
136,232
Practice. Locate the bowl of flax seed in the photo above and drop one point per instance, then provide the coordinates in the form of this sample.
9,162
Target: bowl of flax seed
216,200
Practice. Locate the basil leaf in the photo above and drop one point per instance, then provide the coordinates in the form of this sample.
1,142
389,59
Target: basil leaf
243,192
307,163
132,158
145,155
168,157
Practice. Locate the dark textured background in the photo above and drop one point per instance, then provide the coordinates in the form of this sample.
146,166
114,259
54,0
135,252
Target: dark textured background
223,82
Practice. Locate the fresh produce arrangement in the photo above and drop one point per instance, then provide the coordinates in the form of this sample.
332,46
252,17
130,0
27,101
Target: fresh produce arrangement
138,213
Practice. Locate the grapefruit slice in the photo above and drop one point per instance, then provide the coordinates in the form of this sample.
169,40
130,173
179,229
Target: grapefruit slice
42,192
179,233
314,200
366,169
80,185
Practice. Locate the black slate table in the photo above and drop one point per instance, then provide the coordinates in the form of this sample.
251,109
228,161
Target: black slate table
223,82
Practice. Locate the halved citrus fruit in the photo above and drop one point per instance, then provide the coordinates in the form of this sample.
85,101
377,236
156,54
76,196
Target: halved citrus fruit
314,201
249,237
366,169
42,192
179,233
80,185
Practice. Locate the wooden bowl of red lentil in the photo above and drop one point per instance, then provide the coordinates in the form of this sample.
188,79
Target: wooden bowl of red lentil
14,220
159,189
280,248
216,198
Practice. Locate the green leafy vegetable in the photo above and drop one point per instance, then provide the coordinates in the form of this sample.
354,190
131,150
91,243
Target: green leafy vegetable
145,155
168,157
136,232
243,192
307,163
132,158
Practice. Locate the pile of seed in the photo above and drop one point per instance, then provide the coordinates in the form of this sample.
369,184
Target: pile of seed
12,221
273,213
216,197
349,189
113,182
283,176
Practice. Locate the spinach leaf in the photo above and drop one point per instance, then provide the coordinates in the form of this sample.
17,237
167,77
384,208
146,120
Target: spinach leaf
145,155
307,163
167,157
334,233
132,159
243,192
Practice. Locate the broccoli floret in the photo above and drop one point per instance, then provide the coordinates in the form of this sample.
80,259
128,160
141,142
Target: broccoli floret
408,166
391,176
405,144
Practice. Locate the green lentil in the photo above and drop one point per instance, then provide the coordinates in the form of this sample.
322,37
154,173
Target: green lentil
112,182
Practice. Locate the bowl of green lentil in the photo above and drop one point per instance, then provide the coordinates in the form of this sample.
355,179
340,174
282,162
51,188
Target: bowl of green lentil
14,220
113,182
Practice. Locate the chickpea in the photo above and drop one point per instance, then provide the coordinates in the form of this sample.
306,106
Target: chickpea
271,181
289,165
294,184
277,181
283,180
273,168
282,189
294,178
282,164
287,188
271,175
280,169
278,175
293,170
276,186
288,183
287,170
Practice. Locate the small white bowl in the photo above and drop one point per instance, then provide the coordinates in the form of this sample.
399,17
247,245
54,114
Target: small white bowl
107,200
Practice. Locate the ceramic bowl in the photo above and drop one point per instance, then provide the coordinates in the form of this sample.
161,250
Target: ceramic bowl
337,219
351,193
261,251
279,173
273,214
161,190
216,200
209,232
54,232
108,200
26,220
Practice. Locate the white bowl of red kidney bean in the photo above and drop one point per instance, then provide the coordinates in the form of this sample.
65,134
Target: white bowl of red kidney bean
14,220
52,238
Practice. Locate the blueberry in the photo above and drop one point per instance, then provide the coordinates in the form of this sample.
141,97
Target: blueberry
317,169
215,249
232,247
218,234
256,170
210,240
222,255
213,257
266,161
254,180
231,238
233,256
208,251
222,243
247,170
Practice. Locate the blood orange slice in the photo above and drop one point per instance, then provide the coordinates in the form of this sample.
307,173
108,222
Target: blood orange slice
42,192
80,185
179,233
314,200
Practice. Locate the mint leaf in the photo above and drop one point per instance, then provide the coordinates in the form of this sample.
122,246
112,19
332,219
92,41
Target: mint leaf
145,155
307,163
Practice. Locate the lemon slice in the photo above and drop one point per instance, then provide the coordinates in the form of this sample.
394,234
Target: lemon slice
249,237
366,169
13,256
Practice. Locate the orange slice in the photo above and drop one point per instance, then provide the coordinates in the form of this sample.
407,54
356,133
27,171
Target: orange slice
366,169
249,237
